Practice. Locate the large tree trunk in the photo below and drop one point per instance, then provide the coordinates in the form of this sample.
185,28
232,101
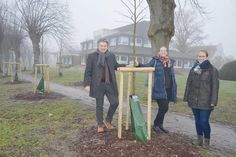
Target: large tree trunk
36,49
161,28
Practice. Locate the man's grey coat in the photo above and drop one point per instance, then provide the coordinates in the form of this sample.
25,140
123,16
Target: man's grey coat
93,73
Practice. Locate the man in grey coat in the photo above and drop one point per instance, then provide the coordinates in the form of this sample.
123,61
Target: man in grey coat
100,80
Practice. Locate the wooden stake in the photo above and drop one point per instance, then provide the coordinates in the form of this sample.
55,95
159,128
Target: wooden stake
127,102
149,107
48,81
35,78
20,68
120,105
8,68
11,71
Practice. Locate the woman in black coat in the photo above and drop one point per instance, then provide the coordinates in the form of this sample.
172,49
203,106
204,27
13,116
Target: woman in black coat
201,93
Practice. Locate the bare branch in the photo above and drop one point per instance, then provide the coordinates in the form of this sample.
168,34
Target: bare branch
188,31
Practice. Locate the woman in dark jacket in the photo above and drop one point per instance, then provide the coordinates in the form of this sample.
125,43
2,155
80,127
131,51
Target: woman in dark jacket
164,85
201,93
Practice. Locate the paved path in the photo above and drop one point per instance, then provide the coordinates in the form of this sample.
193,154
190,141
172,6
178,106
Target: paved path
223,136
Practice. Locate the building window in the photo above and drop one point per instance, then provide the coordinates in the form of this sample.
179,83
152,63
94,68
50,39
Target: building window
147,43
147,59
113,42
122,59
117,58
140,59
83,47
123,40
83,60
70,60
138,41
187,64
178,64
90,45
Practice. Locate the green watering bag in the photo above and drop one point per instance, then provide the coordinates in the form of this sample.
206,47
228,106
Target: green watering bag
138,124
40,87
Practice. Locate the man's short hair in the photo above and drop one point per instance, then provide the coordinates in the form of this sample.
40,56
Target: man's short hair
103,40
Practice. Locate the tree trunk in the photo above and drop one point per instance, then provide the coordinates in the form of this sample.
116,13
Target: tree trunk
36,50
1,62
5,58
161,28
1,59
17,54
1,53
134,48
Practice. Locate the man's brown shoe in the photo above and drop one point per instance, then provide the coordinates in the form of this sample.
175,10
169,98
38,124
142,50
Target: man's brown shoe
100,129
108,125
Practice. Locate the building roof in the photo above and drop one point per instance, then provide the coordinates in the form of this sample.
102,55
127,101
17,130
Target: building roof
126,49
141,28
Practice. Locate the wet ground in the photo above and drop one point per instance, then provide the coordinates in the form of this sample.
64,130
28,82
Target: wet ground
30,96
91,143
223,136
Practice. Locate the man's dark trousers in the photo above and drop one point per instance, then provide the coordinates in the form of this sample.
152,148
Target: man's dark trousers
108,90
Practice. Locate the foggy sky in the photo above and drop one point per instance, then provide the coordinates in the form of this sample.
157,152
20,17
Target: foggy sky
90,15
220,27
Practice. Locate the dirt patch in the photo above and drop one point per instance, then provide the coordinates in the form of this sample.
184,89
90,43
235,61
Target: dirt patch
17,82
30,96
91,143
79,83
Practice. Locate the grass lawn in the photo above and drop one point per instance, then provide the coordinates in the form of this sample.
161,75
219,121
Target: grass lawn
225,111
46,127
29,128
70,75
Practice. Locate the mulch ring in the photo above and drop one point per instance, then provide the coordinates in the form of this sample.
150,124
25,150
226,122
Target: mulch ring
90,143
17,82
36,97
79,83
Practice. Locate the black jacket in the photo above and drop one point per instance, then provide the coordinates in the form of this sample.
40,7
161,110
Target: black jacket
202,89
93,73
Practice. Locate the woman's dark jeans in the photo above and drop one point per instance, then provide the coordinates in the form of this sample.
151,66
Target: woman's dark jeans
163,106
202,122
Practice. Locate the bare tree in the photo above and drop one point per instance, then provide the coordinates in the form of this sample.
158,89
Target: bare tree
15,39
42,17
162,27
16,36
27,54
3,22
188,31
136,13
59,62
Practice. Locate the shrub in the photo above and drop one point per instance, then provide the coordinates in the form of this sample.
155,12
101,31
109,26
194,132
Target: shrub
228,71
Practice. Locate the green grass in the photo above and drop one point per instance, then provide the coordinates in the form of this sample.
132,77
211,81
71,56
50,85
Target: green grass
26,127
70,75
29,128
225,111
